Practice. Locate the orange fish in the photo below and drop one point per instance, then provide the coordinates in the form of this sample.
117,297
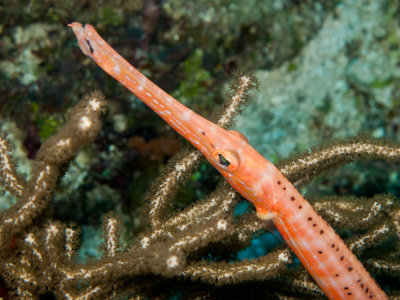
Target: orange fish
321,251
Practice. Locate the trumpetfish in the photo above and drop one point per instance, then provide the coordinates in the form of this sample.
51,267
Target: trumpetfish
319,248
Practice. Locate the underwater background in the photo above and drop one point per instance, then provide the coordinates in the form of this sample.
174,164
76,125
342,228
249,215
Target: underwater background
327,70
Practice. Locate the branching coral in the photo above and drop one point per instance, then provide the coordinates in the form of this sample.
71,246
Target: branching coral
188,251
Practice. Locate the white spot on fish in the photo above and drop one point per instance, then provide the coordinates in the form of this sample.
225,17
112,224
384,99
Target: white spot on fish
186,115
117,69
194,141
143,80
158,103
130,79
177,127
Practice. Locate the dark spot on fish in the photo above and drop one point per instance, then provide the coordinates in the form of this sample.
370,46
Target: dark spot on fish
90,46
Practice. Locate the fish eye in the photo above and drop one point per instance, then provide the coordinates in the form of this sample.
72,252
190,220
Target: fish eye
227,160
223,161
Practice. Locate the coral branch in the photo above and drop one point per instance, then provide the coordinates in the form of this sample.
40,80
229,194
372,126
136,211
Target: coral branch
176,245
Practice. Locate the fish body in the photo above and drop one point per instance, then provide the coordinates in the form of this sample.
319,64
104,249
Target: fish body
321,251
